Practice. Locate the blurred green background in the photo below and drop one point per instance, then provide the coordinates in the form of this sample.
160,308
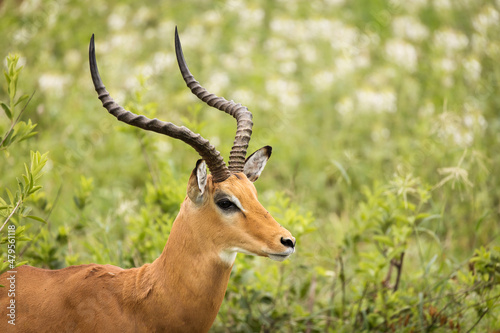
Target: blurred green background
385,127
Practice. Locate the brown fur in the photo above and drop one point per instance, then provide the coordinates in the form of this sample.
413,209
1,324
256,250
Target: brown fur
181,291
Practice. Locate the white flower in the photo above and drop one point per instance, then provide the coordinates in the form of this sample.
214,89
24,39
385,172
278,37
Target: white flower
473,117
448,65
242,48
335,2
450,40
308,52
218,81
122,41
487,18
131,83
323,80
450,126
409,27
287,92
28,7
402,54
53,83
73,58
289,28
251,16
162,61
194,37
116,21
22,36
463,139
213,17
288,67
427,109
442,4
344,66
142,16
146,71
243,96
343,37
376,101
235,5
472,69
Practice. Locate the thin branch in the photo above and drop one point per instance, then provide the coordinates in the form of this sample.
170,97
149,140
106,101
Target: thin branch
399,267
387,281
330,313
358,312
342,280
479,319
12,213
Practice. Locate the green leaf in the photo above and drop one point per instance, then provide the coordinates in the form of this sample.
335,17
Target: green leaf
24,262
11,197
8,139
7,110
27,136
26,181
22,98
36,218
6,77
384,239
34,189
30,182
343,172
430,218
26,211
26,169
20,184
12,89
480,220
430,233
430,263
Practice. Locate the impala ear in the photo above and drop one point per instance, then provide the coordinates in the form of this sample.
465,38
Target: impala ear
197,182
256,162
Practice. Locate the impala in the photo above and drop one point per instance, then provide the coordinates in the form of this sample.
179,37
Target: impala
183,289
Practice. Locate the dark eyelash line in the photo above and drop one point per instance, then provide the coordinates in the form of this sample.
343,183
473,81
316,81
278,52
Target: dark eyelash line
227,205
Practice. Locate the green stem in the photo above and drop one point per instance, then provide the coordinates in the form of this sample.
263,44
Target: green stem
15,122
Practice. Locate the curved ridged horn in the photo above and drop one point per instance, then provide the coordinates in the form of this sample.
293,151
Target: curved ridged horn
238,111
212,157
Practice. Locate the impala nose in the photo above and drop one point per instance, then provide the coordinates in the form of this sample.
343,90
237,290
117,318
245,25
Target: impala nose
288,242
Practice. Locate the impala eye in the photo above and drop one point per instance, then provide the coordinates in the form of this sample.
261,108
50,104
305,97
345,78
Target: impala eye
225,204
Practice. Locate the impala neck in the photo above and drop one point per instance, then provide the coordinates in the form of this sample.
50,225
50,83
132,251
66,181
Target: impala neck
189,276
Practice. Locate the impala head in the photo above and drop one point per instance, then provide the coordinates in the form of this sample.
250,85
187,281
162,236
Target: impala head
232,217
224,203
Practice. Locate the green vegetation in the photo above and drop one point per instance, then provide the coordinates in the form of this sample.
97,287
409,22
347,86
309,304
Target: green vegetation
383,116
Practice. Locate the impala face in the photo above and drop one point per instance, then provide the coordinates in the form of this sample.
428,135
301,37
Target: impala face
232,209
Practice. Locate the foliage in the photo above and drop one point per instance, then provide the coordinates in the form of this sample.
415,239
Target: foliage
383,116
14,209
